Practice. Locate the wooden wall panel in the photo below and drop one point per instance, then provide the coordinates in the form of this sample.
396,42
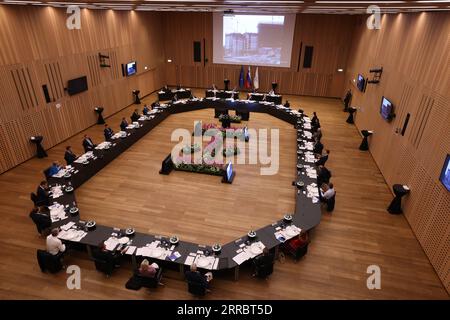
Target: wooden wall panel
413,50
38,49
330,35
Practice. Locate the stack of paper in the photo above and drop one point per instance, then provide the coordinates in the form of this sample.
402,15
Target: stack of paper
57,212
241,258
111,243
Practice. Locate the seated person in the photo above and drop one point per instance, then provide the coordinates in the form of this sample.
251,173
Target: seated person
110,257
166,89
41,217
295,243
318,147
146,110
314,119
108,132
318,134
43,197
54,169
323,175
135,116
214,88
175,97
88,145
323,158
271,93
123,124
263,263
196,277
147,270
69,155
327,192
155,105
55,245
287,104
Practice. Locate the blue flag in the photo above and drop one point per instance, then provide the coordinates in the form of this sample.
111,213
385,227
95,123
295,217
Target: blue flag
241,77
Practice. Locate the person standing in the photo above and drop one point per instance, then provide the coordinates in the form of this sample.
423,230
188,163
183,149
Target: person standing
347,99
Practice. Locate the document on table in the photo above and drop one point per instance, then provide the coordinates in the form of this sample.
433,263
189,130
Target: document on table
189,260
67,226
241,258
130,250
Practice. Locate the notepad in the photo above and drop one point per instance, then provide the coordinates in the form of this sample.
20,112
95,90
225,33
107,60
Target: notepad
189,260
241,258
130,250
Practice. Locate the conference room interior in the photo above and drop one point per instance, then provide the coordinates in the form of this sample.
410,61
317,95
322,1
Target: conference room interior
379,88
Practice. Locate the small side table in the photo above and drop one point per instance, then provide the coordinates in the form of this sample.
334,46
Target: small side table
365,144
396,205
40,152
351,111
99,111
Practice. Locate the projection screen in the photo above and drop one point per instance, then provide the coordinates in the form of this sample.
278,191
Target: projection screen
253,39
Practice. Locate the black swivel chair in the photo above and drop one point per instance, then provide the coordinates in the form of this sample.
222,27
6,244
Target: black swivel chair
263,269
331,202
103,263
49,262
195,288
34,198
149,282
47,173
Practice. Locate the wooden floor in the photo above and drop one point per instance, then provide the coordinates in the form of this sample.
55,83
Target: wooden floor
199,208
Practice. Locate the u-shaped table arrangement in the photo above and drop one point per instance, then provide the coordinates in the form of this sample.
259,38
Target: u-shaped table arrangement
307,213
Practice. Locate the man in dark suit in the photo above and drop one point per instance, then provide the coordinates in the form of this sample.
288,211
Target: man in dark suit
318,147
323,159
166,89
287,104
88,145
135,116
69,155
108,132
123,124
315,123
196,277
347,99
43,198
41,217
323,175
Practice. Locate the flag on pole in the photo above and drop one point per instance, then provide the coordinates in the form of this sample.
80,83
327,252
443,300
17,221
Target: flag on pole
248,79
256,79
241,78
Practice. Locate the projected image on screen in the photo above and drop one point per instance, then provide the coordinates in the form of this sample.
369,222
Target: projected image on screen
253,39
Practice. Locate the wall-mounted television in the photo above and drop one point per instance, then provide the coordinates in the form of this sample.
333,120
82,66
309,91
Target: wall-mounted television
361,83
386,109
445,173
130,68
77,85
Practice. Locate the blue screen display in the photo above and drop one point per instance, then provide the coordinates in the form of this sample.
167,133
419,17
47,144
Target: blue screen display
131,68
386,108
445,174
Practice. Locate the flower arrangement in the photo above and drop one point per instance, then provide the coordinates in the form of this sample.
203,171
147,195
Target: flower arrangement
200,168
233,119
